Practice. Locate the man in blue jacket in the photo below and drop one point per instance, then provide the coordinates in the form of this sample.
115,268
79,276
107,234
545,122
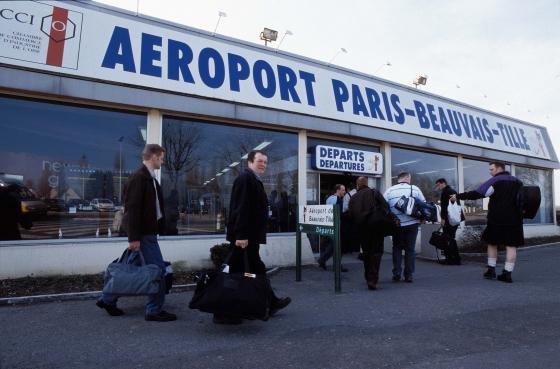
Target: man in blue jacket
504,224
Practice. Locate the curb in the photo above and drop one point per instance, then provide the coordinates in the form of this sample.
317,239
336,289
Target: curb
73,296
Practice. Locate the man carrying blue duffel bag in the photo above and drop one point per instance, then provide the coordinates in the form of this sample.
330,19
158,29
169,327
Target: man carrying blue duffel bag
143,219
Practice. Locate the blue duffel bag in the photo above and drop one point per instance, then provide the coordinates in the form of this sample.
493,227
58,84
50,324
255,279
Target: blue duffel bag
126,277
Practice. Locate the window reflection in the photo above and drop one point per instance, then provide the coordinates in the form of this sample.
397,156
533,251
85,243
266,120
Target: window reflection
543,179
202,161
70,164
425,169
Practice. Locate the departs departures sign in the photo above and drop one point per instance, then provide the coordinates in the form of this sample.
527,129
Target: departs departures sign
323,220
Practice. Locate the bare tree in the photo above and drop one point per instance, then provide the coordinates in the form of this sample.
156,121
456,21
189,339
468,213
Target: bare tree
180,143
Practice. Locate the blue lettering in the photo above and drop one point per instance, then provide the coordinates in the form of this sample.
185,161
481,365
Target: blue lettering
475,132
525,143
340,94
361,156
287,80
433,118
179,56
504,133
421,114
308,79
238,71
399,117
387,106
489,135
120,41
322,152
204,58
148,55
259,67
464,122
358,102
374,103
454,123
445,127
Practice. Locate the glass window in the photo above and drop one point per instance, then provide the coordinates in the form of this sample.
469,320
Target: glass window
476,172
543,179
70,164
203,159
425,169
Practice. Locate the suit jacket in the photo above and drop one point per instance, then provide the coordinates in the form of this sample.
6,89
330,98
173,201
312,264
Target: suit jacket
248,209
140,214
362,203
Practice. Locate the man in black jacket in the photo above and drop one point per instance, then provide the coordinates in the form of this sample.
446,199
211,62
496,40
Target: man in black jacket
360,207
452,253
246,226
143,219
504,224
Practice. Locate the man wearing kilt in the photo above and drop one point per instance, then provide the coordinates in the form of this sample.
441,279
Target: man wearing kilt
504,224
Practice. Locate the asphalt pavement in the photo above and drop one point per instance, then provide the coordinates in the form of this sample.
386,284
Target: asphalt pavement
448,318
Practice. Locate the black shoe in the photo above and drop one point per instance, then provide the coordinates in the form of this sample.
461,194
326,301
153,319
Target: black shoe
227,320
361,256
408,279
505,277
322,266
343,269
111,309
162,316
279,304
372,286
490,273
396,278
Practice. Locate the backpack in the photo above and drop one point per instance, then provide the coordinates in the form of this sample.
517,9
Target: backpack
380,218
529,201
418,209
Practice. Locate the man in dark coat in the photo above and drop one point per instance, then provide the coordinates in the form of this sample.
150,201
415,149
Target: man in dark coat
504,224
452,253
360,207
143,220
246,227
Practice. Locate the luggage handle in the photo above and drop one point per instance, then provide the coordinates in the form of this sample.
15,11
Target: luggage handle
126,254
245,260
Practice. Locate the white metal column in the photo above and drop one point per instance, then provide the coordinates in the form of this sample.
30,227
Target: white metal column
460,175
302,167
154,132
386,151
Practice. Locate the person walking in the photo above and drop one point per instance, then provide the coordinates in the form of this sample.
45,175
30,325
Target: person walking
246,227
143,220
361,206
327,244
504,225
452,256
405,235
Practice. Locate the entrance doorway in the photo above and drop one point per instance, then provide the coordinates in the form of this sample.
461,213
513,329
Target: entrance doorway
328,181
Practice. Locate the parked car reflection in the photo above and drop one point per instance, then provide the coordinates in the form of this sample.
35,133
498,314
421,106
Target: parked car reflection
56,204
102,205
31,205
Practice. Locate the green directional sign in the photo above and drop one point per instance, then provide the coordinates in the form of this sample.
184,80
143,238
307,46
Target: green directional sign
323,220
318,229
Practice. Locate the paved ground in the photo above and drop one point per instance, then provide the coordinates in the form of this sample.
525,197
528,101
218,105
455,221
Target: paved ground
448,318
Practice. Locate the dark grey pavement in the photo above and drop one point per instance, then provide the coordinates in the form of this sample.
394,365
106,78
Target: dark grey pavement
448,318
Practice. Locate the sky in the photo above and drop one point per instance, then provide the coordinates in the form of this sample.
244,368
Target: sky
499,55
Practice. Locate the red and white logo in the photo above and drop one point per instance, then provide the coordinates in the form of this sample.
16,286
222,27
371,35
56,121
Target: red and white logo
41,33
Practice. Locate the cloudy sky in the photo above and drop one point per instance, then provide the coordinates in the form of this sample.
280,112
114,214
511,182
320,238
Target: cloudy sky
500,55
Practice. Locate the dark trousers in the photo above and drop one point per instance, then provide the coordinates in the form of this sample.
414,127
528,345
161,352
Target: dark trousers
372,246
452,253
326,249
256,265
404,239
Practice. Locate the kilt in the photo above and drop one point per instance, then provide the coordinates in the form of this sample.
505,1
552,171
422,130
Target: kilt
506,235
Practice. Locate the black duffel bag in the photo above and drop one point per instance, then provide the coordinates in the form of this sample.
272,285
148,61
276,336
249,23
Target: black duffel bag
239,295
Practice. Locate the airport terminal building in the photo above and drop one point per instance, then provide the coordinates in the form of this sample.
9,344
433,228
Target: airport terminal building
84,86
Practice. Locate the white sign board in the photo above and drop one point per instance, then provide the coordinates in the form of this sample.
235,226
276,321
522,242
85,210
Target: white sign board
64,37
322,215
340,159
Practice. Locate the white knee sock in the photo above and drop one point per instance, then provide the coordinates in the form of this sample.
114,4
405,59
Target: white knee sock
492,262
509,267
